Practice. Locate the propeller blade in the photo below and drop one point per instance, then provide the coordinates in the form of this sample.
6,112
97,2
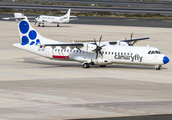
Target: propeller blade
95,42
100,39
102,46
96,54
101,53
131,36
35,23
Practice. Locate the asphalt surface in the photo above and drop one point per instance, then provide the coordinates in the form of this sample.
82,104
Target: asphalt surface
145,117
91,9
33,87
163,23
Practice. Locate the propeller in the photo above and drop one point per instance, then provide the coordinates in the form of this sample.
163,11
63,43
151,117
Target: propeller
98,47
130,44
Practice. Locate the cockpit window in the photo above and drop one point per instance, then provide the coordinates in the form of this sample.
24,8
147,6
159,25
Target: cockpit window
154,52
157,52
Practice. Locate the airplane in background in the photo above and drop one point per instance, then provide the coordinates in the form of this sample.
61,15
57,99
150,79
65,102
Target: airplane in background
43,19
88,53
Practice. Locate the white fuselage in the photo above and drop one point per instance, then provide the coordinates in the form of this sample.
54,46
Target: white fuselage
88,53
52,19
111,54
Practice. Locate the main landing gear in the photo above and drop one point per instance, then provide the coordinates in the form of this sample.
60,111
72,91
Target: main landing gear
57,25
85,65
40,25
157,67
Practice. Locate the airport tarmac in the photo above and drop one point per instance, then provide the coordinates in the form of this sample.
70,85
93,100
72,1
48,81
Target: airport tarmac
33,87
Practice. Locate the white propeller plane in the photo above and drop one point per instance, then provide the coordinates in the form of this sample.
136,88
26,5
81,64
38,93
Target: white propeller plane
43,19
88,53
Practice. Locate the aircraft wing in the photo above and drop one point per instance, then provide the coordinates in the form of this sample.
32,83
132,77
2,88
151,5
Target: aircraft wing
130,40
136,39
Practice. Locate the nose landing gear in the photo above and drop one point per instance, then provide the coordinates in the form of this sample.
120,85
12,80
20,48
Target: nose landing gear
157,67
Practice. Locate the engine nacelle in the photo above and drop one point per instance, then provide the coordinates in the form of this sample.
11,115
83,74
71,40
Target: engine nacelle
101,61
88,47
122,43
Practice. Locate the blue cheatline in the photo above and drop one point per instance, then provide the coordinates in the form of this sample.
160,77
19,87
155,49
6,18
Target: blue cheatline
24,27
32,43
32,34
24,40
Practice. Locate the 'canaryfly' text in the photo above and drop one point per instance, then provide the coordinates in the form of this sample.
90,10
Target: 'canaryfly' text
136,57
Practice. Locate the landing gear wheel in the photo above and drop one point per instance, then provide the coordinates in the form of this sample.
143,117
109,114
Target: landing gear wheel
85,65
158,67
43,25
102,65
39,25
58,25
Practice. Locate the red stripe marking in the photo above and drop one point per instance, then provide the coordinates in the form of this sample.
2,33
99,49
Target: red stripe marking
61,57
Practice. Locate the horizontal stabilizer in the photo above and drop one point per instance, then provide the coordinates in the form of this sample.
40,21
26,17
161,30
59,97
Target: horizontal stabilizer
73,19
73,16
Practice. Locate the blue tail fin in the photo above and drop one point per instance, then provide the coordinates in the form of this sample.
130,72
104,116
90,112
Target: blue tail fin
28,35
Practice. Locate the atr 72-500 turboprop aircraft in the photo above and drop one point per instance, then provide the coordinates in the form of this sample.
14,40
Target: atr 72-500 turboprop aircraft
87,53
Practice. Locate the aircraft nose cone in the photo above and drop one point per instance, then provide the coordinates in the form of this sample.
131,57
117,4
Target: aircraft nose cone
165,60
